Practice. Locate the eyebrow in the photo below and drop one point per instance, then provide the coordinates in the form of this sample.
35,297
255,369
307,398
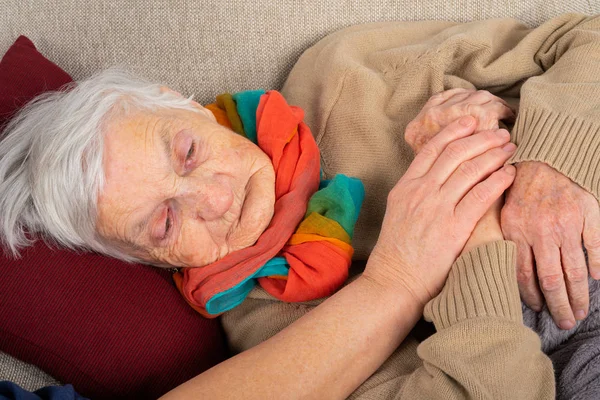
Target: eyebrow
165,138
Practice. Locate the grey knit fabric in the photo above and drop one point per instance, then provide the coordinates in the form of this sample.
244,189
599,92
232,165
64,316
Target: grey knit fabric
575,353
25,375
205,47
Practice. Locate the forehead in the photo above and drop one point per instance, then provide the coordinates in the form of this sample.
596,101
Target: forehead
135,163
135,145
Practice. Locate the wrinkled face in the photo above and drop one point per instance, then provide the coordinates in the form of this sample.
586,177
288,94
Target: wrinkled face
182,190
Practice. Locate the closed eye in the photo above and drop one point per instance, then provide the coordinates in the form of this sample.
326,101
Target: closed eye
190,157
168,225
191,151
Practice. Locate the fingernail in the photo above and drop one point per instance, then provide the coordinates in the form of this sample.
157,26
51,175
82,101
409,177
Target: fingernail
502,132
566,324
465,121
510,169
579,315
509,147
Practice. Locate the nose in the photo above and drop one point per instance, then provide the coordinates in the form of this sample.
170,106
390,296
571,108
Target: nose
209,199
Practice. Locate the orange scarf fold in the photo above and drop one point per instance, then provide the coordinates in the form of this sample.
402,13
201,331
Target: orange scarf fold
318,252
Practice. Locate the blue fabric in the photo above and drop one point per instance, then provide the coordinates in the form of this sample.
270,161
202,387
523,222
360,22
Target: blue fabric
233,297
339,201
12,391
247,104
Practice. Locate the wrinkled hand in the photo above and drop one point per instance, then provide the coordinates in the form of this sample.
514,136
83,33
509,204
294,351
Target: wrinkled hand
432,210
443,108
547,215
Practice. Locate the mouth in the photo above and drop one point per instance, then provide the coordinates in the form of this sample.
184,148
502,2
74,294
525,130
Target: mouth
255,212
237,217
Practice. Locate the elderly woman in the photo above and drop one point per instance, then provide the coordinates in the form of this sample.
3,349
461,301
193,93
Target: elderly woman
136,171
203,192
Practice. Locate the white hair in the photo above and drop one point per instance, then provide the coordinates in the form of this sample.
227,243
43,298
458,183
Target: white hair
51,160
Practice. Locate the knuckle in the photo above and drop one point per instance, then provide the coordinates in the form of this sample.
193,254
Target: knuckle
455,151
469,169
469,109
436,97
593,240
432,111
481,193
576,274
543,229
551,283
429,151
579,300
482,95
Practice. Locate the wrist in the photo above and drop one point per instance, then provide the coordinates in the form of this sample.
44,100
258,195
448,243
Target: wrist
488,229
398,289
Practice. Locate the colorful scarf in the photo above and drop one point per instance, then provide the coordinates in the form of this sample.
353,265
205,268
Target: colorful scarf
305,252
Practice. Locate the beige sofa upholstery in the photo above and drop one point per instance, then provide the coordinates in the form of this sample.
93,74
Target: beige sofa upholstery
205,47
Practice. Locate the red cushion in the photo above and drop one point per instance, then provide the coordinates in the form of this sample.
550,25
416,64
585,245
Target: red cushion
25,73
113,330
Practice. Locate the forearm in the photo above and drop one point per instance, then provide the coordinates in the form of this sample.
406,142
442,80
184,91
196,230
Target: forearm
327,353
558,121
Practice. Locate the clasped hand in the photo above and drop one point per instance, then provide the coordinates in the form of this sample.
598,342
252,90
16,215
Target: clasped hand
432,211
546,214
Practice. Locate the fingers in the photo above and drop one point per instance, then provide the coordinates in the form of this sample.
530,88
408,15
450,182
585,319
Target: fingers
526,278
499,110
479,199
483,97
476,97
459,151
552,283
576,274
507,113
442,97
431,151
471,172
591,238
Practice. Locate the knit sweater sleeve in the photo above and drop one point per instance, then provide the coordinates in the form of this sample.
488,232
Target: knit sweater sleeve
481,348
559,114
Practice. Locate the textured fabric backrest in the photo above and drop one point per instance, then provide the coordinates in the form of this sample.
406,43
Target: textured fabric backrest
113,330
206,47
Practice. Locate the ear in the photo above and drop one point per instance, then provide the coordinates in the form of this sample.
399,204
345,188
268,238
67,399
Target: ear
206,112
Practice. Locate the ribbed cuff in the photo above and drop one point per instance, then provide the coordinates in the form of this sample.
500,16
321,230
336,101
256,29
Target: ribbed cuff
481,283
569,145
